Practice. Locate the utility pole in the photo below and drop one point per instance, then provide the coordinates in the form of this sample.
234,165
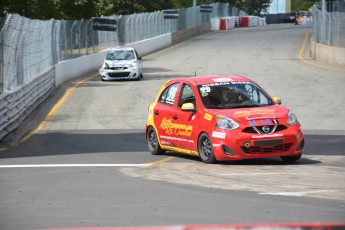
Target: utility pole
194,3
25,8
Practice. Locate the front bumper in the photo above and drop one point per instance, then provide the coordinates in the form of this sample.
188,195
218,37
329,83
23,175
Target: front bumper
108,74
236,145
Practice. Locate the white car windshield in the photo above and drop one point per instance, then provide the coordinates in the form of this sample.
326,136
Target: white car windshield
120,55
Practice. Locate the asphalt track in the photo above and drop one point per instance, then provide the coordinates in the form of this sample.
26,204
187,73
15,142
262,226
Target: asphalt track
83,161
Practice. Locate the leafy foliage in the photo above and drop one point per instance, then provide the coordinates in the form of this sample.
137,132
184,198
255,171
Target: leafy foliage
78,9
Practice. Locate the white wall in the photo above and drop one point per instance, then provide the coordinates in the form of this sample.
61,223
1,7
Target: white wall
72,68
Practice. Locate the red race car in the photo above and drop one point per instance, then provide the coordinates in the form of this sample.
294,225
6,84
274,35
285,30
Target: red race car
222,118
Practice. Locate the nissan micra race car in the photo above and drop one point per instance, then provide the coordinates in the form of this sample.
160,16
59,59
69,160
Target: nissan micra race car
121,63
222,118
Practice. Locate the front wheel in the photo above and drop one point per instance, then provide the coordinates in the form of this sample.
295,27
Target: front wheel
290,159
152,142
205,149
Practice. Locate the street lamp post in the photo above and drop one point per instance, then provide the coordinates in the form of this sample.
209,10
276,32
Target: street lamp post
25,8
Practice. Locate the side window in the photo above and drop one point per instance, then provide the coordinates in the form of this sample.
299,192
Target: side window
136,53
256,95
169,94
187,96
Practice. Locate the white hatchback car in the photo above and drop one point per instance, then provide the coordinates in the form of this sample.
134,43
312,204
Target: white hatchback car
122,63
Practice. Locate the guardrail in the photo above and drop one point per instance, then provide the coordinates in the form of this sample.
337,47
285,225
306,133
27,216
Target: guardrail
15,107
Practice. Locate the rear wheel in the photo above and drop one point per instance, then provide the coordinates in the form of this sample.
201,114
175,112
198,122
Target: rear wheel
152,142
205,149
290,159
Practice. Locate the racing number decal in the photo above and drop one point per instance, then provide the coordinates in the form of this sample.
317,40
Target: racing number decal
171,95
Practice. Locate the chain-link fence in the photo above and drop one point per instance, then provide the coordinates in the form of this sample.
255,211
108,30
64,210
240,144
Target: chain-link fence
29,47
329,27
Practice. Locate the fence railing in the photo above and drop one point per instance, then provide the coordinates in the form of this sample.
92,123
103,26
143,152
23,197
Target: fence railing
29,47
328,28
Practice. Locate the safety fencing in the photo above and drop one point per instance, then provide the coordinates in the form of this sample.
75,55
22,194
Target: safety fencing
329,28
32,49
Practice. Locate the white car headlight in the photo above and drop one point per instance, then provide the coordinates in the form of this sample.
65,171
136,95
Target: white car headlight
105,66
133,64
292,119
226,122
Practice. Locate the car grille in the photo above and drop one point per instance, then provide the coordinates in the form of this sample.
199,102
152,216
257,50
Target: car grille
259,129
265,149
122,74
118,68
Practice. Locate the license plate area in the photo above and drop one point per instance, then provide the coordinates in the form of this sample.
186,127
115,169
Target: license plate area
268,142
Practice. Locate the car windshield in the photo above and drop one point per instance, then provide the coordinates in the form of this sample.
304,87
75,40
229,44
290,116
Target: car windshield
228,95
120,55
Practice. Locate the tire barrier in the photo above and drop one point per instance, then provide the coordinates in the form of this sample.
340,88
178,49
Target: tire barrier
17,106
227,23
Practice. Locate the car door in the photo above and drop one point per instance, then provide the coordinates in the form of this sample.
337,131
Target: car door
163,115
185,121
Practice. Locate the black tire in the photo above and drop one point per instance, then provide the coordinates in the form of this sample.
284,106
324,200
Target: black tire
152,142
290,159
205,149
141,75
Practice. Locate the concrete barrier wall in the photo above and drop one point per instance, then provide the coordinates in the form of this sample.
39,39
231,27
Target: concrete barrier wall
70,69
67,70
186,34
328,54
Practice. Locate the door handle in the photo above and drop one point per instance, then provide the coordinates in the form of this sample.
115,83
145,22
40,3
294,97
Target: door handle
175,117
156,112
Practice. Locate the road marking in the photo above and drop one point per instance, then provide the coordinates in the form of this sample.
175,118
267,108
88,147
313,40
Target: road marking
54,110
71,165
297,193
261,173
159,162
87,165
300,57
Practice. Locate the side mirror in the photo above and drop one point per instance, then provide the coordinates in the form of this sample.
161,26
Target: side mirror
140,58
277,100
188,107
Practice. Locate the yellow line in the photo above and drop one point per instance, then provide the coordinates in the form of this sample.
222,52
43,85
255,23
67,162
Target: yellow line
300,57
158,162
53,111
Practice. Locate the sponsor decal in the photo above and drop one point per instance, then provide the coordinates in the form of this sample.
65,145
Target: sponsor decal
176,139
175,128
165,143
245,113
266,136
205,89
208,116
218,135
220,83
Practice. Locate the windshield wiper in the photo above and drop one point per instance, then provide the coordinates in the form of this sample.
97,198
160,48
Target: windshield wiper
245,106
214,107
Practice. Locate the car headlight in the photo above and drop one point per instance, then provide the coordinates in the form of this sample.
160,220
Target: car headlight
292,119
133,64
105,66
226,123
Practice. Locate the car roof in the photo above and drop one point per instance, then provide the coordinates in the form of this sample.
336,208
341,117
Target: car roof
121,48
201,80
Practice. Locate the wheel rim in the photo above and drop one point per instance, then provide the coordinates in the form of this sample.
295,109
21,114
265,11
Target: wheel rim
153,139
206,148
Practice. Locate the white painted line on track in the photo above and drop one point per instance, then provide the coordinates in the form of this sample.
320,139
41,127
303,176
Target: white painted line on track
71,165
297,193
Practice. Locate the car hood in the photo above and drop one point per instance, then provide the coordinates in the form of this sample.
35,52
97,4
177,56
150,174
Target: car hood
245,114
114,63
